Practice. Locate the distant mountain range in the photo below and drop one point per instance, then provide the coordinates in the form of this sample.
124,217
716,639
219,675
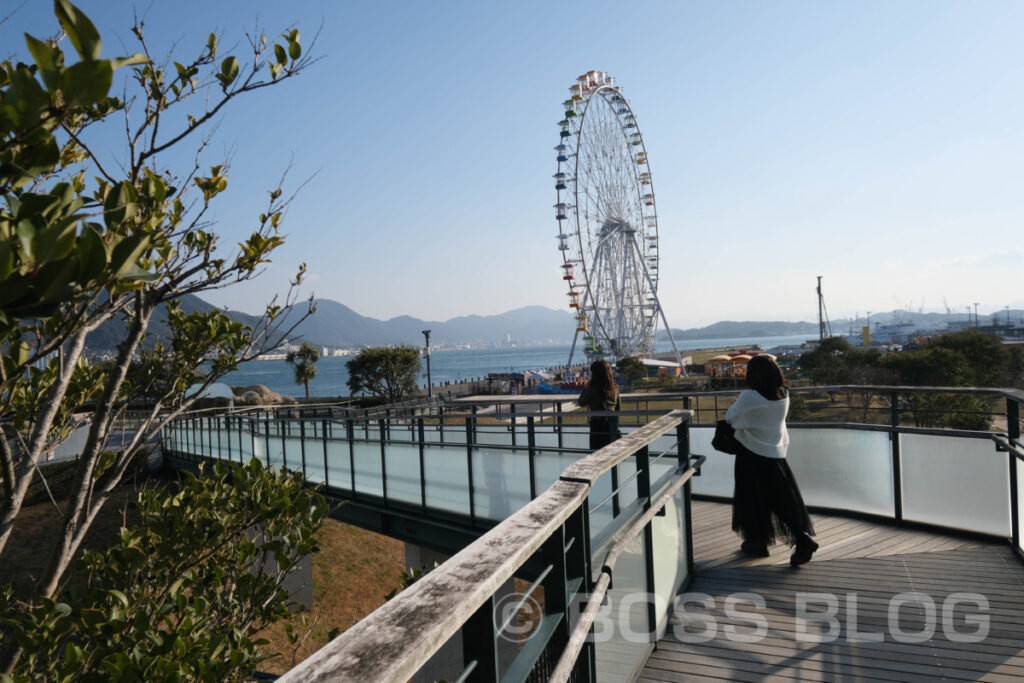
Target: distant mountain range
729,329
335,324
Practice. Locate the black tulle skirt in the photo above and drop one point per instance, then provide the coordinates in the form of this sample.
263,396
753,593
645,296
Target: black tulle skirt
766,505
603,430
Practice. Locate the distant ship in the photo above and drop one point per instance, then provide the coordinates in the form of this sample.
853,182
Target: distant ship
899,332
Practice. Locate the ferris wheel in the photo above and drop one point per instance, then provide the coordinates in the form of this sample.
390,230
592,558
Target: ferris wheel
607,223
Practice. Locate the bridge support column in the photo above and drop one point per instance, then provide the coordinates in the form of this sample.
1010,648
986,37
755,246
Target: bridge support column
424,559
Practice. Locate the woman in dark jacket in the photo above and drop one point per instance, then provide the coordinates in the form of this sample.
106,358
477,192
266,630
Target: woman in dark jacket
601,395
767,501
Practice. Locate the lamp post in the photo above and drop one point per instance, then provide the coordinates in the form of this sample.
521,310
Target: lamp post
975,313
430,387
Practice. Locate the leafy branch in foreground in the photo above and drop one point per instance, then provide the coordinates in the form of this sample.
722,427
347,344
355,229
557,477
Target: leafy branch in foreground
81,245
182,595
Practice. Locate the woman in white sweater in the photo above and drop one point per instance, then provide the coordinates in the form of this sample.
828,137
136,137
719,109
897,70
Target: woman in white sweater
767,502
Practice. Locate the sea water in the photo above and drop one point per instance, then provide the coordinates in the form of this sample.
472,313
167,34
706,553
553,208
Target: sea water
457,365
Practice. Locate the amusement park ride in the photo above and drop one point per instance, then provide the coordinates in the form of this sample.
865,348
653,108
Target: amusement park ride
607,223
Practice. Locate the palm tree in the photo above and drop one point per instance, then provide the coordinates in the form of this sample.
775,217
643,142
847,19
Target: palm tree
303,362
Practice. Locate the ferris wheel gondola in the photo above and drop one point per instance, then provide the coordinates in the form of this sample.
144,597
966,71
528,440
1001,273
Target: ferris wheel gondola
607,223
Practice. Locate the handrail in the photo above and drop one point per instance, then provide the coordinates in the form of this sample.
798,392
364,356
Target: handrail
394,641
587,470
1008,392
567,661
1003,444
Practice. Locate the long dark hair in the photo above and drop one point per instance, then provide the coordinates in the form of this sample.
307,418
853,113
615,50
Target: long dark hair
765,377
601,379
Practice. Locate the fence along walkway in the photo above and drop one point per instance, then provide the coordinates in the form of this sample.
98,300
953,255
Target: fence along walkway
872,562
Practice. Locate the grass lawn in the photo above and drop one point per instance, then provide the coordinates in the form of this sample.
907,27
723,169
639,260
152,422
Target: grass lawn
352,573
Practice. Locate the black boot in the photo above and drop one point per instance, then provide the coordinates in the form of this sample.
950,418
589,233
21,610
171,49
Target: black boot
754,549
805,547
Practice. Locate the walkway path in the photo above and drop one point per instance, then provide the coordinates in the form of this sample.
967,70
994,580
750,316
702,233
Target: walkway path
856,591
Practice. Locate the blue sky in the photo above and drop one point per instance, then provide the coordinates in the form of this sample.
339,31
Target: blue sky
878,144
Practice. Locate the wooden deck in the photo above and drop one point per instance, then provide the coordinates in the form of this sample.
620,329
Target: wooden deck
864,565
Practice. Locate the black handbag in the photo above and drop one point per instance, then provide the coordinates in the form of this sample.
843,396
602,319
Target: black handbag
725,438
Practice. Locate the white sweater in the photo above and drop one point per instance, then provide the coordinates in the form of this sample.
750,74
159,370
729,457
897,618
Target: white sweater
760,424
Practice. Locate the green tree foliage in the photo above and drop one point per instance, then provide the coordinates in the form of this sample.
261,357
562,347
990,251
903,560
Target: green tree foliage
834,361
1015,366
986,360
92,231
388,373
303,362
150,376
184,592
631,369
958,359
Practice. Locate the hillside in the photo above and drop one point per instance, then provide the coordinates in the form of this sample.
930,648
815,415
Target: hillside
338,325
730,329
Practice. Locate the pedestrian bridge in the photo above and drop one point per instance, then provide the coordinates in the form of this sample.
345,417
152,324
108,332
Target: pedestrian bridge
575,566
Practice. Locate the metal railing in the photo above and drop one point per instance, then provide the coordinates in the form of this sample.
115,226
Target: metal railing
906,473
548,540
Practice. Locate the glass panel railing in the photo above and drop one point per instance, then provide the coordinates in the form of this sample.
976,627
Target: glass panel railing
454,433
622,633
403,432
573,436
447,481
548,466
501,482
600,502
432,433
403,472
670,553
275,445
241,441
315,460
491,435
576,437
339,467
604,522
956,482
716,475
663,454
368,431
368,474
201,438
844,469
628,491
293,447
259,443
223,442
